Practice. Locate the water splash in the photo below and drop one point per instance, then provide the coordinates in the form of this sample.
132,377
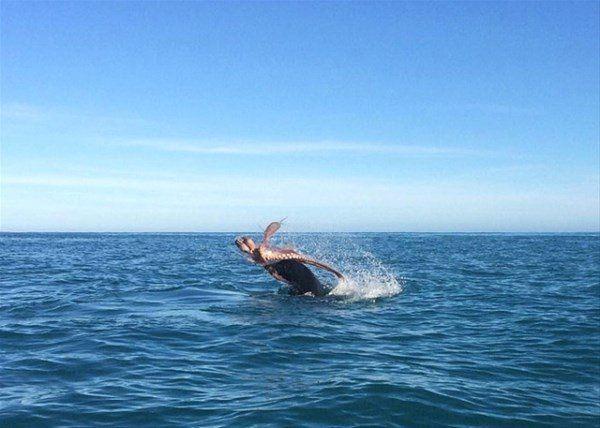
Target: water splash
370,280
367,278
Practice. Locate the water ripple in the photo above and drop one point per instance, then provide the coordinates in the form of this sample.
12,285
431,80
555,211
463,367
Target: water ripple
176,329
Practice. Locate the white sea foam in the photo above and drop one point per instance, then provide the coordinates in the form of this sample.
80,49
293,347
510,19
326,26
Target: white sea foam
369,280
367,277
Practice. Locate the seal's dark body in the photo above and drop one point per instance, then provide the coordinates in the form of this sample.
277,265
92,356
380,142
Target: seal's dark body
301,279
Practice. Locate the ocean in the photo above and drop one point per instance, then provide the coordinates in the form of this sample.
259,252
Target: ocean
179,329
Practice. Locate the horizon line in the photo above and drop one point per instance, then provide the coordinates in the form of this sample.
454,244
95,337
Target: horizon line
305,232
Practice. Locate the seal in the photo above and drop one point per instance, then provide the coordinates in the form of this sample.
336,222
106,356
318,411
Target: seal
285,264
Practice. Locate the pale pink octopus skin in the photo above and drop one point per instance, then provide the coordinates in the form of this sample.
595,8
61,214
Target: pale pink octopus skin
264,255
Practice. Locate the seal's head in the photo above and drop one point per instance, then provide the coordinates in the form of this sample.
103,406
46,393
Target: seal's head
245,244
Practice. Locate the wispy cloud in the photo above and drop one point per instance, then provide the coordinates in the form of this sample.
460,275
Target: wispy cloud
331,188
26,112
30,114
300,147
160,202
490,108
21,111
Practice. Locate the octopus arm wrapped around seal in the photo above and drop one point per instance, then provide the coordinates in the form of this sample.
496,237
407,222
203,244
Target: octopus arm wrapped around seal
265,255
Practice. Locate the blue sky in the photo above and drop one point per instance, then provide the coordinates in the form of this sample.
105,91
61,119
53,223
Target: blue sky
349,116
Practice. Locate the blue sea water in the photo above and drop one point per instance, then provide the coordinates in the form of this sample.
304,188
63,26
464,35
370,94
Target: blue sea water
178,329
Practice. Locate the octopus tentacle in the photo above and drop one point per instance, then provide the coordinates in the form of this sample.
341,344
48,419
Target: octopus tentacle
270,231
274,256
265,256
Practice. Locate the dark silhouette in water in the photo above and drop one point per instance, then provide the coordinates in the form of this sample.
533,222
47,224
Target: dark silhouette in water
301,279
285,264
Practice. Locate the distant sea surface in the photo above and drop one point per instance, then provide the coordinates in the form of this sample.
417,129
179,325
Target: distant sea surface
179,329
